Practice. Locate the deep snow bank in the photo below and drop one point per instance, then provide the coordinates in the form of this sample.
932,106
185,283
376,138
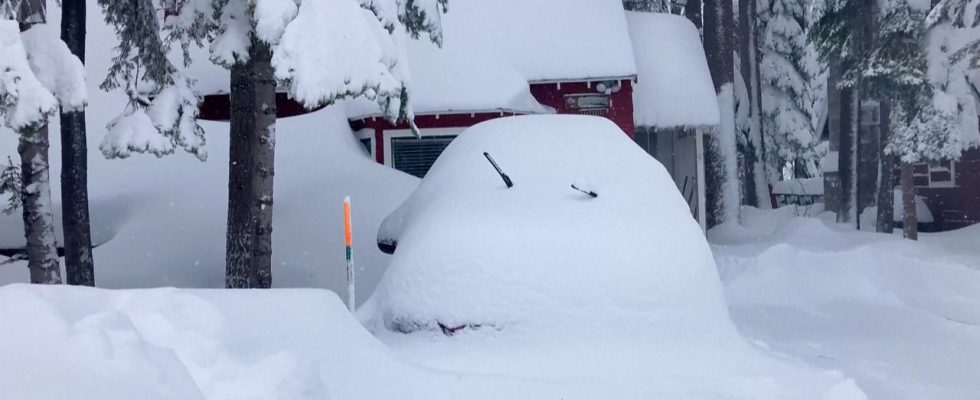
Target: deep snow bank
161,222
89,344
902,318
181,344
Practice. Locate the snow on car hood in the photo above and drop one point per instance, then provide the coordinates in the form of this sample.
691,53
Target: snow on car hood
472,252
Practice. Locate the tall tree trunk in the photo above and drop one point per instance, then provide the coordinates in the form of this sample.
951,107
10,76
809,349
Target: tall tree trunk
719,43
251,171
864,179
79,265
42,253
911,221
263,158
886,169
757,180
761,166
846,155
746,59
238,250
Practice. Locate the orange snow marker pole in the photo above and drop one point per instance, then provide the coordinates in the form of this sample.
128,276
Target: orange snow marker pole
348,243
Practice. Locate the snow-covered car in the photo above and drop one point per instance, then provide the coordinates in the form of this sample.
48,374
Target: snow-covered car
592,227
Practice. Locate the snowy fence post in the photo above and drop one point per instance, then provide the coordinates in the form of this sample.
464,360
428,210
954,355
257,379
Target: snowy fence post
350,254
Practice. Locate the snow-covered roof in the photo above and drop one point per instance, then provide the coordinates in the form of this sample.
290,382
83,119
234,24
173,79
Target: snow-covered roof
493,49
454,79
544,39
674,87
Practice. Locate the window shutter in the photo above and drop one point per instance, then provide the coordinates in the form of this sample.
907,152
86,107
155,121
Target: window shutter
415,156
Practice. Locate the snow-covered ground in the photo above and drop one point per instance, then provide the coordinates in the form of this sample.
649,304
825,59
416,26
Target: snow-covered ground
900,318
820,312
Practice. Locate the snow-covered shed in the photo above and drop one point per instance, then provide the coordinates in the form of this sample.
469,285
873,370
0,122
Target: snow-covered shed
507,57
674,100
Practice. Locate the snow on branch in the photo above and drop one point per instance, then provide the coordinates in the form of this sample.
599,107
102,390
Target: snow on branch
335,49
163,106
342,49
134,132
232,40
24,100
60,71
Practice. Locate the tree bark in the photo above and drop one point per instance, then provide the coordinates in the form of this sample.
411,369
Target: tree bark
263,158
721,149
910,223
746,61
762,167
79,264
886,168
42,253
251,171
238,250
757,179
846,162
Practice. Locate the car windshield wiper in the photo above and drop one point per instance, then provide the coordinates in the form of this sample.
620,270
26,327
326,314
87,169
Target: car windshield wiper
586,192
503,176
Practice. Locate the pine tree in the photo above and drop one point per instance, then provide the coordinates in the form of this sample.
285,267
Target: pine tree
268,45
161,115
838,33
79,264
960,14
787,77
892,63
37,75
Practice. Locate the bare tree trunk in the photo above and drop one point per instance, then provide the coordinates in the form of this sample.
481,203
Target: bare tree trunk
251,171
746,61
238,251
846,161
911,220
79,265
42,253
761,168
757,180
263,158
886,168
721,148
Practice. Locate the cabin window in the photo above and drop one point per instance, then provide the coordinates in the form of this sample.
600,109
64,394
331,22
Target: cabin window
935,175
415,155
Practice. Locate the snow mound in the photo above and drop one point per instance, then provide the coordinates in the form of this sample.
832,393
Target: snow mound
473,252
901,318
88,344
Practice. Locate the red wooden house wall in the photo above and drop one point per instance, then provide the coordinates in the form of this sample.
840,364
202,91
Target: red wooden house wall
957,205
551,94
